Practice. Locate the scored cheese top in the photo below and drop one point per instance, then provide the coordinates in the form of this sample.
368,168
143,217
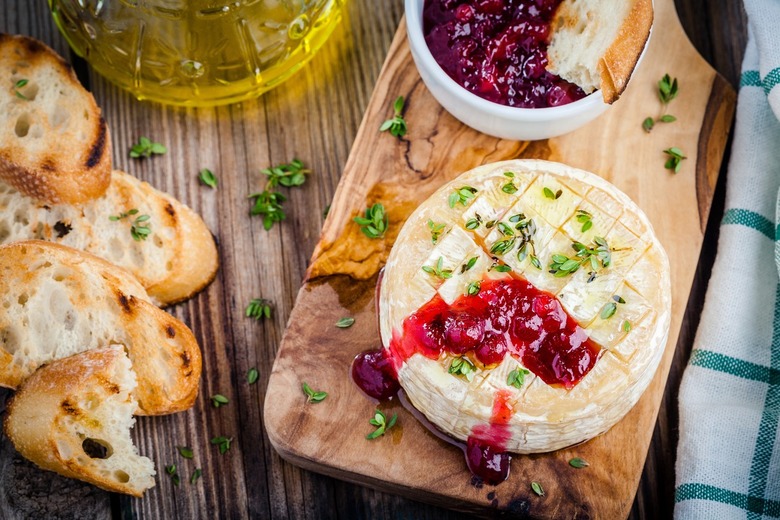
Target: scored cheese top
536,417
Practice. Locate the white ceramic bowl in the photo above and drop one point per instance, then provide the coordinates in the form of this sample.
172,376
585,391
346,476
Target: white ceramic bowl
492,118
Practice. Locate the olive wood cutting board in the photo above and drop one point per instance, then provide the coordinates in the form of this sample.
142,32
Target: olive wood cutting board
329,437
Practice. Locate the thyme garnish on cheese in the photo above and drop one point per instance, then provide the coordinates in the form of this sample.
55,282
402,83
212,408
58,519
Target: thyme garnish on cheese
462,195
597,257
584,218
516,377
468,265
473,288
436,230
610,308
463,367
438,270
552,195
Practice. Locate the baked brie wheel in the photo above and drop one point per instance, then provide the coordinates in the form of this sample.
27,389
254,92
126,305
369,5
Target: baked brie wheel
525,305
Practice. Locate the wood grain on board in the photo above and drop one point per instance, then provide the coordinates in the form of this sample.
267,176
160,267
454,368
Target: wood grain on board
314,116
402,173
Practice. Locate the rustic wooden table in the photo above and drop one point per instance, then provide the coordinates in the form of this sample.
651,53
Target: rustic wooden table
314,117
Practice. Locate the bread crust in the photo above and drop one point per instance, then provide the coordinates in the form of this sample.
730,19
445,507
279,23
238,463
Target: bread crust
573,23
47,420
164,352
74,168
176,261
620,60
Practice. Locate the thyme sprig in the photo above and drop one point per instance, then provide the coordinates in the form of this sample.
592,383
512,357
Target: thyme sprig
145,147
596,257
463,367
436,230
268,203
374,223
667,91
676,157
462,195
313,396
397,125
223,443
259,308
139,227
382,424
438,269
20,84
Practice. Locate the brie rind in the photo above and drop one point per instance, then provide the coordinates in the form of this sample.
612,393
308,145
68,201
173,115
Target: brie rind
544,417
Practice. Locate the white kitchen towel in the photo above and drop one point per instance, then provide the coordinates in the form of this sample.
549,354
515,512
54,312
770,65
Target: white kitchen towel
728,457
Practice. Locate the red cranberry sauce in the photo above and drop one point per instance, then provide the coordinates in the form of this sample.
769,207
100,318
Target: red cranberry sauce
374,373
508,316
497,49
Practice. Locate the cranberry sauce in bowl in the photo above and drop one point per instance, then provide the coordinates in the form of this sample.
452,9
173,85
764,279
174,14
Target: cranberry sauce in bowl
497,49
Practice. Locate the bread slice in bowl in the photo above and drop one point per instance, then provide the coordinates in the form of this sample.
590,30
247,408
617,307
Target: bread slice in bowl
56,301
54,144
74,416
174,261
596,44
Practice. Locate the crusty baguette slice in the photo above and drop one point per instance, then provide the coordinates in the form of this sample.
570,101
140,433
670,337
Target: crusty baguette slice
56,301
597,43
175,261
74,416
54,144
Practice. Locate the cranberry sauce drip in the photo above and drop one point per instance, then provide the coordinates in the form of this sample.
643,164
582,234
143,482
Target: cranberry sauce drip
508,316
497,49
374,373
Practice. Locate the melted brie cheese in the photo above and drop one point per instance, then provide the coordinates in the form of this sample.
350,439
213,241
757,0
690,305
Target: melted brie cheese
544,417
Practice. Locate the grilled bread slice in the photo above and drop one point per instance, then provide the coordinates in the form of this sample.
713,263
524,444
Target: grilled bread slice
175,260
56,301
74,415
54,144
597,43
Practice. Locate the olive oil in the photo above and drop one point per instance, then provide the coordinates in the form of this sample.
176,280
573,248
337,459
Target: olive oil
196,52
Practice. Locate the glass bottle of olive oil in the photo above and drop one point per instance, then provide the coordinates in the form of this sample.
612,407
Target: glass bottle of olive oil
196,52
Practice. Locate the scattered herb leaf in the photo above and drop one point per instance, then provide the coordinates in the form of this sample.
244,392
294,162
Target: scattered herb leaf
145,148
374,223
578,463
171,470
223,443
598,256
516,377
19,84
676,156
185,451
312,396
550,194
537,488
509,188
195,475
207,178
473,288
252,376
584,218
626,326
218,400
259,308
382,424
268,203
345,323
397,125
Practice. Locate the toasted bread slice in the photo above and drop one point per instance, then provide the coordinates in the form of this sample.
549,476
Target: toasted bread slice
597,43
178,258
56,301
74,416
54,144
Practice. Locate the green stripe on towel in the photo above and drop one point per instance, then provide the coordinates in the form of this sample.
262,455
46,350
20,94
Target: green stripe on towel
734,366
692,491
751,219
